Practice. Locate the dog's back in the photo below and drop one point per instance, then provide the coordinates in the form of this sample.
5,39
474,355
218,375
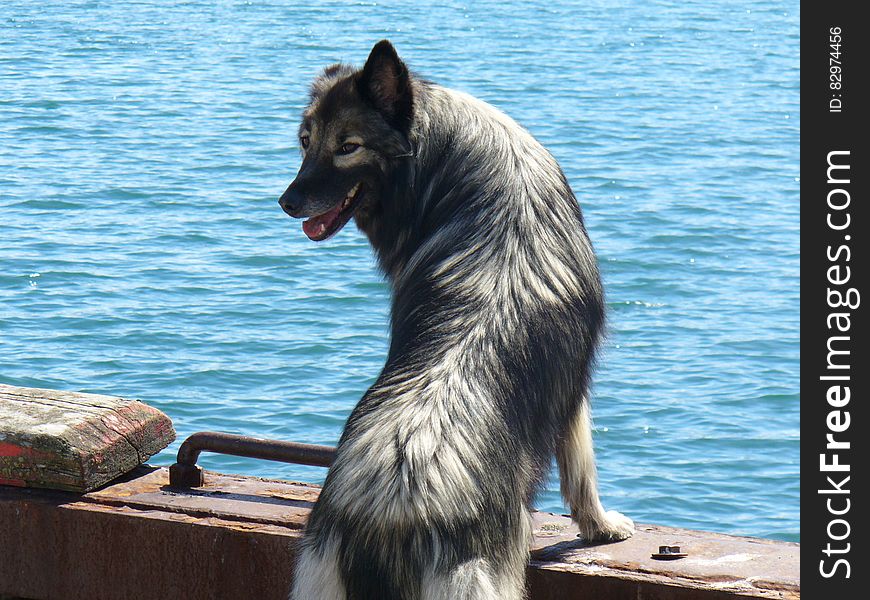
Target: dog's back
497,311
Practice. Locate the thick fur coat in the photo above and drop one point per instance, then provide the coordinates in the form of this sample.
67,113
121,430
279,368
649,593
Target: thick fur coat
497,311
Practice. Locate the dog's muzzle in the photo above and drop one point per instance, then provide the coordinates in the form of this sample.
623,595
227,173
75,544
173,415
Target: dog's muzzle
291,202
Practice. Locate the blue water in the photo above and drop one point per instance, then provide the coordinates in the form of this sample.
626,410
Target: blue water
143,146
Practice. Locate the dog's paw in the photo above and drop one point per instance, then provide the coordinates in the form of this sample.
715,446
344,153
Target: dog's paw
613,527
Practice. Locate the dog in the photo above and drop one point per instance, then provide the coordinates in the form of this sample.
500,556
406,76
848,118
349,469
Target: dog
497,311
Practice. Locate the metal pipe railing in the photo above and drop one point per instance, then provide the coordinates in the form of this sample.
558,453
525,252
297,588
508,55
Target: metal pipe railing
186,473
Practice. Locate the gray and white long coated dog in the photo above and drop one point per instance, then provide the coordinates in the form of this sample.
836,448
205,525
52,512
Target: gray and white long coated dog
497,310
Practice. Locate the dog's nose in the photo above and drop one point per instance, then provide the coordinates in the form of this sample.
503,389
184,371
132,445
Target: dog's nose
291,202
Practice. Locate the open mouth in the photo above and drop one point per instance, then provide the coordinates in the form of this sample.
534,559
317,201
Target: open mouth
326,225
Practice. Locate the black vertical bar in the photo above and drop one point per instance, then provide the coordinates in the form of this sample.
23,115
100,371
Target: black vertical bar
834,231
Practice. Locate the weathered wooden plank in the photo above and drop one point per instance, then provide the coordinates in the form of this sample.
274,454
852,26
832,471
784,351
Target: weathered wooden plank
74,441
563,567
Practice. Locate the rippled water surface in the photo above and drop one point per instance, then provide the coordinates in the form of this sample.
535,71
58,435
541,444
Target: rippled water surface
143,146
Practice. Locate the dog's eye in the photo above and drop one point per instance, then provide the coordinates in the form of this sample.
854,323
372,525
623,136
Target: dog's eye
305,140
348,148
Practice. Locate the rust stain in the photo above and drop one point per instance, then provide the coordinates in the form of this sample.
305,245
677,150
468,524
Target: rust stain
236,538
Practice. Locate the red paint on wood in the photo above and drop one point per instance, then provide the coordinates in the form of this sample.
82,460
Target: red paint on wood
93,438
13,482
7,449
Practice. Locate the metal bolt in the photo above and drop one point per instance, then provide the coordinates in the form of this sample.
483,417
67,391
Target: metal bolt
669,553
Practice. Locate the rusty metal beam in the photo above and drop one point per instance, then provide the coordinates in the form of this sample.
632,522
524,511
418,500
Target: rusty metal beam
236,538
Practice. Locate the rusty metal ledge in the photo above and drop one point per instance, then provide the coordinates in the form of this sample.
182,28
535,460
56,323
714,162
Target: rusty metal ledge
235,538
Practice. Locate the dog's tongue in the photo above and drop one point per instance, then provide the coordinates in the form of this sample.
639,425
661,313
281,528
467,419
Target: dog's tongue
315,227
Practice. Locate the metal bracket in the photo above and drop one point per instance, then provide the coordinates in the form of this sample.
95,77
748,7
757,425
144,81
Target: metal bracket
186,473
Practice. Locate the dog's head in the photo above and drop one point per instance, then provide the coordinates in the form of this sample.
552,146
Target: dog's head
354,135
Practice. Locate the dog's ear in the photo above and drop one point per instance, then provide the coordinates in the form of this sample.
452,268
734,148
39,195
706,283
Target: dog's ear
386,83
